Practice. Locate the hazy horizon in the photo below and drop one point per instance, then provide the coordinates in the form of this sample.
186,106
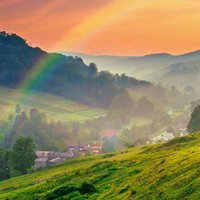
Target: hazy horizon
116,55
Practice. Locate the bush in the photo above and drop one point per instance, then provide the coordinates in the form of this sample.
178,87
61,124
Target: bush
85,188
61,192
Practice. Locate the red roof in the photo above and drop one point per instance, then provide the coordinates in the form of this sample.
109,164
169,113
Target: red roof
96,145
108,133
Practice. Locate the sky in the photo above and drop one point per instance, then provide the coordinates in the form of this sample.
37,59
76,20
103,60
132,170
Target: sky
105,27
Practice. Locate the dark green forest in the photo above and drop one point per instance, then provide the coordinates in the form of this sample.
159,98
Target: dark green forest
69,76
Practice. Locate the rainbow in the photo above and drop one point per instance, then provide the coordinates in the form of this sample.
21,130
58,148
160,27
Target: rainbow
42,68
90,27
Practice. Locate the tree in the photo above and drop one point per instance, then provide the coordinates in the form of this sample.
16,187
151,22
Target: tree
4,165
23,155
194,123
108,145
92,69
125,139
121,109
194,104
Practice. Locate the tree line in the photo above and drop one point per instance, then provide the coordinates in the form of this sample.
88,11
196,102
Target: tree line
19,160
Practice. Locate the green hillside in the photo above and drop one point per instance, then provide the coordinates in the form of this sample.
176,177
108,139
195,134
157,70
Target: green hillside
55,107
165,171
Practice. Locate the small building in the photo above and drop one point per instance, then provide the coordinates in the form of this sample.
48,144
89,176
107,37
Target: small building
43,157
72,153
45,154
80,148
56,161
108,133
41,162
163,137
95,147
48,158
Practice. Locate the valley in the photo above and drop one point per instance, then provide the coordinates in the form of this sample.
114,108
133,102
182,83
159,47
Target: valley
118,121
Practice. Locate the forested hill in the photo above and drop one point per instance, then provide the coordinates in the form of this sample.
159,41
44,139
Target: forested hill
62,75
67,76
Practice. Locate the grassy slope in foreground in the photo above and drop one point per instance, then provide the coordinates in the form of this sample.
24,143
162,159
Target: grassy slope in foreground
165,171
55,107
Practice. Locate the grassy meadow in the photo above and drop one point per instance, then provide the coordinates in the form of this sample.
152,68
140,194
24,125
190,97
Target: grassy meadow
54,107
161,171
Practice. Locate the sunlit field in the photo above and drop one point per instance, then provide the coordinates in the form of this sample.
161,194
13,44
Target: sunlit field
164,171
54,107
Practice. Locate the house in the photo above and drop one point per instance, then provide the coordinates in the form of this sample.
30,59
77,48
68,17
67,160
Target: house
48,158
42,158
95,147
56,161
45,154
71,153
41,162
108,133
78,147
163,137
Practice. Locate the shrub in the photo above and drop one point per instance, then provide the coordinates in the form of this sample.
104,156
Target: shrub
85,188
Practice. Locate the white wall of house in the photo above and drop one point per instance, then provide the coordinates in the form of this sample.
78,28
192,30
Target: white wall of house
163,137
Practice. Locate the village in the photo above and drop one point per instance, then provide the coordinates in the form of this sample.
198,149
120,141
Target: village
178,129
50,158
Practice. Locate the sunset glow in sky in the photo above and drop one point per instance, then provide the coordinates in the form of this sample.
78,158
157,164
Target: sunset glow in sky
112,27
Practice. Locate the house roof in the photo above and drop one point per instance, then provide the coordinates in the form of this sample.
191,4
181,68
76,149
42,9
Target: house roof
55,157
74,153
41,160
57,160
76,145
164,136
93,147
44,153
108,132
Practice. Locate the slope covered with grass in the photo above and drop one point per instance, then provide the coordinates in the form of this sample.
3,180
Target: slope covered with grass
164,171
55,107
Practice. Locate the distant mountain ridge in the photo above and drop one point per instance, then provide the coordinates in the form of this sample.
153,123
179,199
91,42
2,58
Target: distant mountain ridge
145,67
165,56
193,53
180,74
